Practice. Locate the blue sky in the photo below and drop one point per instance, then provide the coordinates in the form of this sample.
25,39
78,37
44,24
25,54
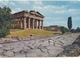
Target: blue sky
55,12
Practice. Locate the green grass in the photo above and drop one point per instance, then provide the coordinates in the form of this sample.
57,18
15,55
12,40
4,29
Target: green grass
26,33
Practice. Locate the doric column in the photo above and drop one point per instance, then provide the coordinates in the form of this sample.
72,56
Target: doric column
42,24
24,23
39,24
17,20
33,23
29,23
36,24
21,23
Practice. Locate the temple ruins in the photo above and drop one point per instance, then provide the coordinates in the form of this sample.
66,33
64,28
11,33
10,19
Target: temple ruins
28,20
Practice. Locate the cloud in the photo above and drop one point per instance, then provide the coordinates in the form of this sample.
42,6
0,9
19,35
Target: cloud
52,14
12,3
4,2
16,10
0,0
38,2
24,2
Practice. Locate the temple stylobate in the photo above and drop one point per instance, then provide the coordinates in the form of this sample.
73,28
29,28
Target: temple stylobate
28,20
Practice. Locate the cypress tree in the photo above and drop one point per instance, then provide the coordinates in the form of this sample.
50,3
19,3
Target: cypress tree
69,23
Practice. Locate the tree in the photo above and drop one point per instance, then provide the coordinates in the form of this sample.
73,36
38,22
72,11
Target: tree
78,29
69,23
62,30
5,21
73,30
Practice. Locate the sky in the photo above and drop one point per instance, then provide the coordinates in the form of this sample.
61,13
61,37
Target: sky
56,12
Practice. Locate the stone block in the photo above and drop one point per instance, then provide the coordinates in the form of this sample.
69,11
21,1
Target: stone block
1,50
32,55
45,43
54,52
8,53
19,55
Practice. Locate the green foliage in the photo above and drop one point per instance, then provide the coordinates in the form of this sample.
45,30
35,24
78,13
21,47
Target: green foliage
78,29
69,22
64,29
73,30
5,21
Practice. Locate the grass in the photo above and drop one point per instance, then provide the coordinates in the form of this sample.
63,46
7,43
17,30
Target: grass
26,33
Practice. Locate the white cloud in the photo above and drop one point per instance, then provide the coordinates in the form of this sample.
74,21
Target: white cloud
0,0
12,3
24,2
13,11
4,2
38,2
16,10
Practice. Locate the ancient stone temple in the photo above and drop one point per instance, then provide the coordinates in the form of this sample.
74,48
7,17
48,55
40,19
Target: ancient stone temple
28,20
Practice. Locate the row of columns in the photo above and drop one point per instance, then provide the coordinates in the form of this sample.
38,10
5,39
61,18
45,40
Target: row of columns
38,25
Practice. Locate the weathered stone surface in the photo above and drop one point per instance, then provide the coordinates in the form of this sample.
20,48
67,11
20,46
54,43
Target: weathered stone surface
32,55
47,46
54,52
19,55
17,50
44,50
45,43
1,50
8,53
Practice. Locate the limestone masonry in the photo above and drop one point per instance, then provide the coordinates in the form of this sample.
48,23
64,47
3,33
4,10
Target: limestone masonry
28,20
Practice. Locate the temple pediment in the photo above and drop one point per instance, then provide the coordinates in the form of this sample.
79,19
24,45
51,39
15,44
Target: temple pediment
25,13
36,13
39,14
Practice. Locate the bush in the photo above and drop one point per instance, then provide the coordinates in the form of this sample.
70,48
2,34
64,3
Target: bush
4,31
5,21
73,31
64,29
78,29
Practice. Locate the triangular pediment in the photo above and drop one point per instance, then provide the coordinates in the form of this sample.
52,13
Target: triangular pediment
36,13
39,14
